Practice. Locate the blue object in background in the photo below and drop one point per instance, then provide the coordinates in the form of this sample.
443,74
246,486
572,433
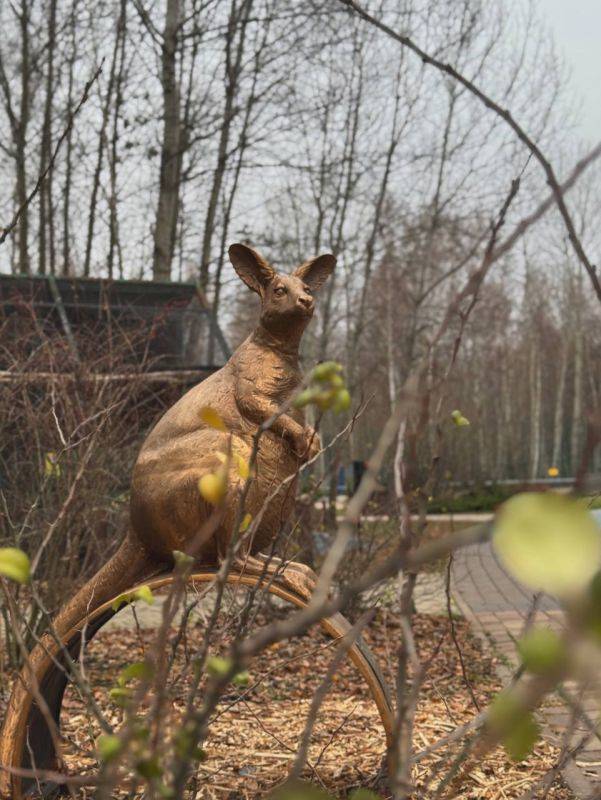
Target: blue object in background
341,483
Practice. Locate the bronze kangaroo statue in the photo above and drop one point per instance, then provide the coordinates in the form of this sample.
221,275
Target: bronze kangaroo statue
167,511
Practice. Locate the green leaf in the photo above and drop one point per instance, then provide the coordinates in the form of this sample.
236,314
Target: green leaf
542,651
217,666
521,738
504,710
364,794
326,371
187,748
109,746
459,419
139,670
297,790
549,542
241,679
324,399
592,610
141,732
14,564
143,593
305,397
245,523
182,559
52,468
342,400
512,724
149,768
119,695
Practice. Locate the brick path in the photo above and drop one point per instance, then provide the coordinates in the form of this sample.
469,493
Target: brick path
497,607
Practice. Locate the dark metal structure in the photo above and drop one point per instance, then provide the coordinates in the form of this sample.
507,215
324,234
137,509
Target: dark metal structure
169,325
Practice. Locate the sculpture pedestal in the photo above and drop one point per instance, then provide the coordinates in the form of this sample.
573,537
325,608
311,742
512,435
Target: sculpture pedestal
25,738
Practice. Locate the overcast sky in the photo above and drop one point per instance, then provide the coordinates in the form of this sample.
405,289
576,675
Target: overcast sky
576,25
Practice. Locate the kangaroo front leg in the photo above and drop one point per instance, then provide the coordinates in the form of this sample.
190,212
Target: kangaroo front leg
258,408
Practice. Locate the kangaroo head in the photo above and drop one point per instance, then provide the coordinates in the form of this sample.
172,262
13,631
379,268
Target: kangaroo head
287,301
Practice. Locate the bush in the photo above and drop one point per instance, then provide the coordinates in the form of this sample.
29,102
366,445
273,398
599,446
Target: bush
476,499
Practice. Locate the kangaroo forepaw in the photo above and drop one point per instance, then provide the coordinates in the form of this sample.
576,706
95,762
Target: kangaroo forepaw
301,581
293,575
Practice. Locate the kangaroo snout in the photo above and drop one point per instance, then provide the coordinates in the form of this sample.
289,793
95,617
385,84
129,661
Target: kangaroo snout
306,303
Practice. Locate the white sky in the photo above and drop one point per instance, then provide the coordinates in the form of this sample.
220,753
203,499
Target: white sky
576,26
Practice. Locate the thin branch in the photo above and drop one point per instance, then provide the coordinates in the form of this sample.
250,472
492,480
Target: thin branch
84,97
505,115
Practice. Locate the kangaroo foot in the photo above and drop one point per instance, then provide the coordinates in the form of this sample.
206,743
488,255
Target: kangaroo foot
298,577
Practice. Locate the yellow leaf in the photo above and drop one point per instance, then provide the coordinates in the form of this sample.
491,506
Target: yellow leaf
51,466
211,418
552,472
245,523
325,399
143,593
243,467
342,400
548,541
14,564
459,419
213,487
305,397
326,371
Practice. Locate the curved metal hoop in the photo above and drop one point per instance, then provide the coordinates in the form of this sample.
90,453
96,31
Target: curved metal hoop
25,738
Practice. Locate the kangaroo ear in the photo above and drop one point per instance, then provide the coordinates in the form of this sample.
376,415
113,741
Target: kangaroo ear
316,271
251,267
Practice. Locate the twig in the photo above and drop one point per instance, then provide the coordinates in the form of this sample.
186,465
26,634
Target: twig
466,680
505,115
42,177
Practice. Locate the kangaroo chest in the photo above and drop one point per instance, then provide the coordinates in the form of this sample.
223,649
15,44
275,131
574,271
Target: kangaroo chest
272,376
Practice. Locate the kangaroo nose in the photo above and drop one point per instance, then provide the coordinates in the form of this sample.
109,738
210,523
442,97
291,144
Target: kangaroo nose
305,301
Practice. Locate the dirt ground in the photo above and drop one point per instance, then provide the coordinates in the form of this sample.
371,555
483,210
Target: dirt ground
254,737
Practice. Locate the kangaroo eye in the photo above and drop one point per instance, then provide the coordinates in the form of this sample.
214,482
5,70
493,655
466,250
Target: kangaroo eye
307,290
280,291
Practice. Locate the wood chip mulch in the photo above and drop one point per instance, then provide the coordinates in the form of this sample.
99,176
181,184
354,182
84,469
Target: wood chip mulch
253,740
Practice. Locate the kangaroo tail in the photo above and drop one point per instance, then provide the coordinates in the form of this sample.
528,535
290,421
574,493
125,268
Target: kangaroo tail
25,736
130,565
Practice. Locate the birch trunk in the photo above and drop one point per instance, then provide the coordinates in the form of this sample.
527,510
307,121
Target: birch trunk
234,51
46,215
576,431
166,219
21,140
535,411
556,456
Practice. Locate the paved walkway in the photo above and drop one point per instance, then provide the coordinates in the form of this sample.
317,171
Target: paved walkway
498,608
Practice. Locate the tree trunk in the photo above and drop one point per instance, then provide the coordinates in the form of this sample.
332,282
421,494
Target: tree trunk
113,219
21,142
535,411
576,432
233,66
556,457
166,219
46,216
100,155
66,267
